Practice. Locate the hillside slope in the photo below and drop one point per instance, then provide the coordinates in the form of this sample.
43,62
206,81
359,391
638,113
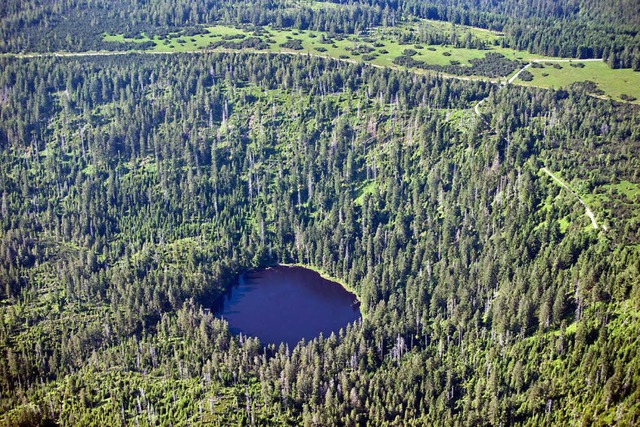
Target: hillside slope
136,187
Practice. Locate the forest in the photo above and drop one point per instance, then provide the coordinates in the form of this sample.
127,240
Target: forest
136,187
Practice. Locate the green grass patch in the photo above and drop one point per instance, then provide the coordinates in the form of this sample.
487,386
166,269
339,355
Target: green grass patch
367,188
177,42
461,119
389,43
343,46
320,5
629,189
116,38
563,224
614,83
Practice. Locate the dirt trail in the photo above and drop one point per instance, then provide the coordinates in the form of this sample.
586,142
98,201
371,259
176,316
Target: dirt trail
349,60
476,108
513,78
589,212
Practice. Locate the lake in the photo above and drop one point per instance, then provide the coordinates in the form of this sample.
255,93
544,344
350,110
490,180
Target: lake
285,304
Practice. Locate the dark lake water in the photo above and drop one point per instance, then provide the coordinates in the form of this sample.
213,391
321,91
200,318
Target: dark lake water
285,304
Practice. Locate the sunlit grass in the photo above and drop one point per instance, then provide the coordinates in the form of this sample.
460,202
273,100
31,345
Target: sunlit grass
385,42
614,83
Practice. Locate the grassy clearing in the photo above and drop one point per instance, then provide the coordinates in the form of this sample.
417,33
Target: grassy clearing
181,43
614,83
629,189
367,188
567,191
382,45
615,205
319,5
461,119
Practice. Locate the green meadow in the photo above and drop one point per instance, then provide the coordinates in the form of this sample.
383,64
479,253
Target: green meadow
613,83
380,46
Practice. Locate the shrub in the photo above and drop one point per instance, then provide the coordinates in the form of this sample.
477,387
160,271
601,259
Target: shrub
525,76
294,44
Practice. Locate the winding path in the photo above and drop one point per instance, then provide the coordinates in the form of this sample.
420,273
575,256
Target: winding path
476,108
252,51
349,60
589,212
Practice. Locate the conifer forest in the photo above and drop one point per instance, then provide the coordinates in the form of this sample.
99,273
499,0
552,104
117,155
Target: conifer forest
486,217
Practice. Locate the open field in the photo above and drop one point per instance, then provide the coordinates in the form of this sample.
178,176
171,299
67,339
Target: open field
613,83
181,43
381,46
385,43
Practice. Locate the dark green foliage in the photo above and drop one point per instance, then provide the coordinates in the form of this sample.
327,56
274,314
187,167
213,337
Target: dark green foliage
587,86
362,49
525,76
228,37
492,65
295,44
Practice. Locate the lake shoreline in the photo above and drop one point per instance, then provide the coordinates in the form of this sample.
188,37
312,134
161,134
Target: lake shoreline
326,276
